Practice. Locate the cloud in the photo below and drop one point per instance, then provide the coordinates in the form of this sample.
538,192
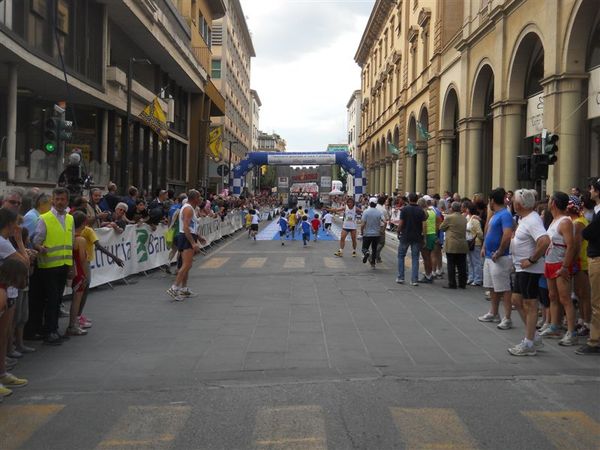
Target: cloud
304,71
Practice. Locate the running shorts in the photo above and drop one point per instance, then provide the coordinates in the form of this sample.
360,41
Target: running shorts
183,243
527,284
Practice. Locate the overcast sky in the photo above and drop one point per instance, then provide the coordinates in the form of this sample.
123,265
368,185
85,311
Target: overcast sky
304,70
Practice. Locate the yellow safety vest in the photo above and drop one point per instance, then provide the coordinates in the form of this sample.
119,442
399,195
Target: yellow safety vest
59,242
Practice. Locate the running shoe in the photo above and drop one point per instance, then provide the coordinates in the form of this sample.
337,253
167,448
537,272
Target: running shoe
400,280
569,340
521,349
538,343
4,392
426,280
173,292
186,292
354,254
506,324
338,253
365,257
84,323
15,354
76,331
551,332
489,317
414,283
588,350
11,381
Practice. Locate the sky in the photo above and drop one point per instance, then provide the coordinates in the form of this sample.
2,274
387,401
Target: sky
304,70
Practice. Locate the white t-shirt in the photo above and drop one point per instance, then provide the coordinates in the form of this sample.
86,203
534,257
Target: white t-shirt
522,246
6,250
328,218
254,219
349,222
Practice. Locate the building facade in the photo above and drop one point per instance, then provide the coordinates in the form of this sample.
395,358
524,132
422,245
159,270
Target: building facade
94,45
232,53
270,142
472,83
353,119
256,104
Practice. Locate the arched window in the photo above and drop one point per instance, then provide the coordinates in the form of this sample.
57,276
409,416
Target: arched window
535,71
593,59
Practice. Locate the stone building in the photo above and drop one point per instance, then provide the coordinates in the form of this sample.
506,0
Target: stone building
461,87
353,120
93,45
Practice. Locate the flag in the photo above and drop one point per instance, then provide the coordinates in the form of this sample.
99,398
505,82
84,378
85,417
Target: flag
215,141
410,148
392,149
154,116
423,132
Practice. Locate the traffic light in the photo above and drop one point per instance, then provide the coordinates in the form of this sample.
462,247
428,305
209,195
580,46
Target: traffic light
524,168
539,166
537,144
65,133
550,148
51,134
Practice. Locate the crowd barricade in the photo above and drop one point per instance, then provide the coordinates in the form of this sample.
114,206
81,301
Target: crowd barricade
143,249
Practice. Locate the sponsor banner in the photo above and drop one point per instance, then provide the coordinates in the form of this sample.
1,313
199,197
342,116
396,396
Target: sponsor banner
303,177
594,94
143,249
282,182
338,148
310,159
326,182
535,115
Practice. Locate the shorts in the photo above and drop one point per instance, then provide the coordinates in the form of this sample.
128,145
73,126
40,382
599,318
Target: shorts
349,230
281,233
183,243
22,311
496,275
527,284
430,240
544,297
315,230
306,236
254,227
551,270
327,226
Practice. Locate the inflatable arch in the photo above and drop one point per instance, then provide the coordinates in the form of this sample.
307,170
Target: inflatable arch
257,159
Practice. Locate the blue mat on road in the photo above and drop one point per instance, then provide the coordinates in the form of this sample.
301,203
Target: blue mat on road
322,236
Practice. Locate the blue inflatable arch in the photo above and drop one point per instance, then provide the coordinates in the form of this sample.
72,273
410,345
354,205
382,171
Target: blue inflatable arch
257,159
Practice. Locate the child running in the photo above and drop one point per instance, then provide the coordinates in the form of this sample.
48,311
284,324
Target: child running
254,224
305,230
283,226
292,223
316,224
80,280
248,218
327,221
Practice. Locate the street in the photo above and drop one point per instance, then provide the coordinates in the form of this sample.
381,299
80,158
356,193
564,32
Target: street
291,348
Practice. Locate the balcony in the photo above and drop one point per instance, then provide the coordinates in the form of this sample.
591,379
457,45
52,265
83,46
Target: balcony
203,55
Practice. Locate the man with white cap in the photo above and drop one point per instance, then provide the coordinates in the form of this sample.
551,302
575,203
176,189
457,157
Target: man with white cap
371,228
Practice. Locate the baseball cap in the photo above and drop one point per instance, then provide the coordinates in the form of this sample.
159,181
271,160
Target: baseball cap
427,198
373,200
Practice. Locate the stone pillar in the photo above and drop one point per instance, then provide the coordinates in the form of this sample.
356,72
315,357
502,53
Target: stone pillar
421,178
570,154
513,140
462,158
376,184
394,165
409,175
388,177
474,136
11,121
445,164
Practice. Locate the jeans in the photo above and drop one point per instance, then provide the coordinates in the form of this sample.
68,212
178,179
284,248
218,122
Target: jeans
457,261
373,242
475,265
53,280
415,250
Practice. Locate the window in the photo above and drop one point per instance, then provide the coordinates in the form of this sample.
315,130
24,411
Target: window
425,47
216,69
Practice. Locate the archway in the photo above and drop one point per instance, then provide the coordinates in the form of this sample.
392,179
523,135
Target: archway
411,155
395,160
449,143
422,150
481,144
342,159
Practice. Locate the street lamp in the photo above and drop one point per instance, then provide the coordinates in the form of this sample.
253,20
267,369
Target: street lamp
125,150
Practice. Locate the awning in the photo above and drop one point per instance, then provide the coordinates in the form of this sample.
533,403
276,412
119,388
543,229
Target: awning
217,100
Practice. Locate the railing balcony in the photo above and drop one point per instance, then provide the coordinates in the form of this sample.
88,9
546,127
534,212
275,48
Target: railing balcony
204,56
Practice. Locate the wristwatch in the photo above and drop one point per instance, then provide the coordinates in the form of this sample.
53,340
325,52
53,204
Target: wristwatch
532,261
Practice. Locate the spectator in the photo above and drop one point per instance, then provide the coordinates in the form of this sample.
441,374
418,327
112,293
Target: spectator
41,205
96,217
111,199
120,219
131,200
410,235
455,227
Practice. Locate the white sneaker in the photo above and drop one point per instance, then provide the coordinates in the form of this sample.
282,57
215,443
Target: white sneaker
569,340
506,324
538,343
521,349
489,317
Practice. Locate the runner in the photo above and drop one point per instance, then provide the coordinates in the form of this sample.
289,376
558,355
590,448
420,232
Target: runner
327,221
254,223
315,224
372,226
305,230
348,226
283,227
292,222
187,243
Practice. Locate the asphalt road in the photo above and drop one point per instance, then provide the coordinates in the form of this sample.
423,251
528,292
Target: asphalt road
291,348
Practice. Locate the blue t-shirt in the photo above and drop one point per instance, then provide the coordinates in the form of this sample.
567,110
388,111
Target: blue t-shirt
283,224
174,209
498,223
305,227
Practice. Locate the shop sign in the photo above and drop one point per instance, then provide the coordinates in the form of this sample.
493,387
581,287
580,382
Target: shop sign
282,182
594,94
535,115
326,182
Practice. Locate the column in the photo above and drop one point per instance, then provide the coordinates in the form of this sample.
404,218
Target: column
513,141
445,164
11,122
474,136
388,176
381,177
409,176
394,164
376,180
462,158
371,181
570,154
421,177
136,156
146,183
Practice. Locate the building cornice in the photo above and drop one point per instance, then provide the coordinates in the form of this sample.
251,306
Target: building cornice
373,29
355,95
244,26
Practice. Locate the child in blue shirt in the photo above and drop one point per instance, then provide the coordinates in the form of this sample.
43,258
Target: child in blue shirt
305,230
283,227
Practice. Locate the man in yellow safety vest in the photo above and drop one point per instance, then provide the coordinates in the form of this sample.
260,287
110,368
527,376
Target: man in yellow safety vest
53,240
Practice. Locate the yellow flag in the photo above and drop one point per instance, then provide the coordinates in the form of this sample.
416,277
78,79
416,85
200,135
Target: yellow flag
215,141
154,116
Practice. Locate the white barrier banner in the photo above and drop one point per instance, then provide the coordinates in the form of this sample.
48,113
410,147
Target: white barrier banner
143,249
